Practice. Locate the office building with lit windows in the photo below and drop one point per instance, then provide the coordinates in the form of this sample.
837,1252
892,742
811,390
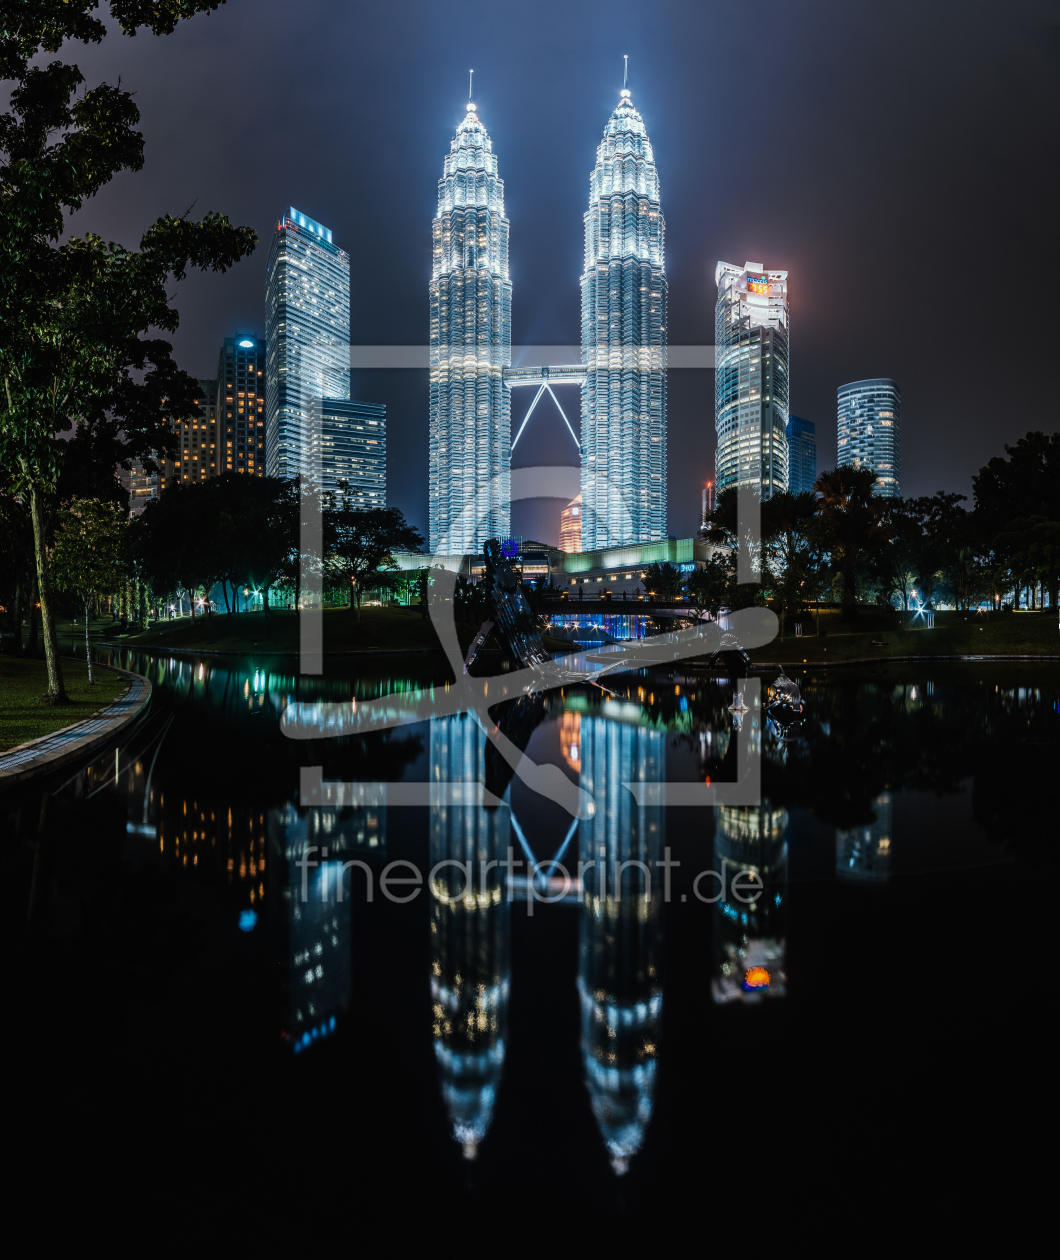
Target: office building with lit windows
869,431
802,455
751,378
469,486
352,439
307,335
623,289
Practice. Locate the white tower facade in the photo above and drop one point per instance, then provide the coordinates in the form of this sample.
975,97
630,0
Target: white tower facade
471,321
624,341
751,378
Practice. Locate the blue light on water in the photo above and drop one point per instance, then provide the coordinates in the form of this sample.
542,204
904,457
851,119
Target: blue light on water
307,1038
248,920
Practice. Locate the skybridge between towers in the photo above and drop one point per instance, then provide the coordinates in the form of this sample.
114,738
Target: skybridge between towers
544,378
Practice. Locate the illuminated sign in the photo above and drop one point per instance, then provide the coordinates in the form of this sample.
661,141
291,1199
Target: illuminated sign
246,345
757,284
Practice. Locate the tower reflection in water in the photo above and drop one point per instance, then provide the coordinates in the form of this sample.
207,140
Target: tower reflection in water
864,854
618,981
319,903
749,948
470,934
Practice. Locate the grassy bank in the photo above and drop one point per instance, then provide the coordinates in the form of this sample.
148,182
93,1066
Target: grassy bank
380,629
955,634
23,682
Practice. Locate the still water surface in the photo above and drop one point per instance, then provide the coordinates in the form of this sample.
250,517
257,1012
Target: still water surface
489,1030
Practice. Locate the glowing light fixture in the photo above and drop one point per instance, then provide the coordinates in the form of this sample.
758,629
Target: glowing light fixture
756,978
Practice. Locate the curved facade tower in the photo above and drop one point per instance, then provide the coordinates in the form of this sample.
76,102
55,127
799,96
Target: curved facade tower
624,341
471,322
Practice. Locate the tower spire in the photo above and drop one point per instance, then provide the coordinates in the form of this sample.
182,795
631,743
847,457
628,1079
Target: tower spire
470,86
625,72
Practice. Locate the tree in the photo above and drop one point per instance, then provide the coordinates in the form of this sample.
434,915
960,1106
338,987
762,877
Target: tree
89,552
73,318
358,543
791,558
664,581
710,588
937,528
852,518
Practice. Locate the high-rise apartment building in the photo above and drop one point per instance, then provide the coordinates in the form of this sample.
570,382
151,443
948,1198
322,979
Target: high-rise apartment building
353,450
623,432
570,526
869,431
307,334
751,377
471,335
802,455
240,391
197,450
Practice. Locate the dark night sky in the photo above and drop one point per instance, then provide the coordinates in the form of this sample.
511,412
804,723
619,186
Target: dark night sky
898,159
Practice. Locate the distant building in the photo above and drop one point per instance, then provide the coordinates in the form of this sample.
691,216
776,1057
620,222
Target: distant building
869,431
241,405
751,377
142,486
570,526
353,450
307,334
197,452
708,507
802,455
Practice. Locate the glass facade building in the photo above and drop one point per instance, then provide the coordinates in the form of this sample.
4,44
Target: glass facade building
352,438
869,431
751,377
471,334
623,289
802,455
307,334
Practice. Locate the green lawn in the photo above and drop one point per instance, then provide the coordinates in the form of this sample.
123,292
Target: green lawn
23,682
955,634
391,628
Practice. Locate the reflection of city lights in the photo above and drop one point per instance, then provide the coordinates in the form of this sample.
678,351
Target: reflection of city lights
570,731
756,978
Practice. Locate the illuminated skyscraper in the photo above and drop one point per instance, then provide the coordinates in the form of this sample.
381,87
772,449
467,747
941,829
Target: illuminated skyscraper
802,455
471,334
751,377
618,979
570,526
624,341
869,431
240,393
469,935
307,334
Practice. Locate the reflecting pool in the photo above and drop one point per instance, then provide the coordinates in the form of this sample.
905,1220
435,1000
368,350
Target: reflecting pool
390,945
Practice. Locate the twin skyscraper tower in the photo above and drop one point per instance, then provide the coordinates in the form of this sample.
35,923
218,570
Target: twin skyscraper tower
622,372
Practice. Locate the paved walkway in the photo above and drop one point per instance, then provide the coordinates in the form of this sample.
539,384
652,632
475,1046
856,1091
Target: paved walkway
52,752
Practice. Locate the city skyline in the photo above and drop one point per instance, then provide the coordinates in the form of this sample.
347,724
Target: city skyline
831,227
